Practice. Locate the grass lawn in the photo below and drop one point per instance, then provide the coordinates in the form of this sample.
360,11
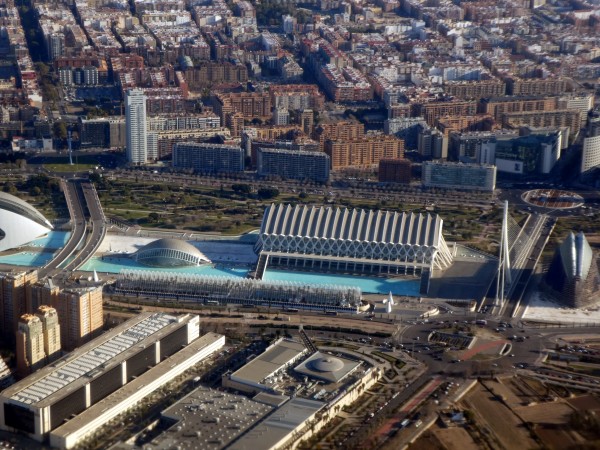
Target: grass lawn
83,162
66,167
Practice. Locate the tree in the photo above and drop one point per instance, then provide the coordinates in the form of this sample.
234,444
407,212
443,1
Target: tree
35,191
241,188
10,188
94,177
267,193
60,130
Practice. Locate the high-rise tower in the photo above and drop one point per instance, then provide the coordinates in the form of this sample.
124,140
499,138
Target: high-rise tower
51,328
30,345
135,118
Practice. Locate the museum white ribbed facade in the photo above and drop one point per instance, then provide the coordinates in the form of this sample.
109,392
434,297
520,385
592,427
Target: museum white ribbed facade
352,240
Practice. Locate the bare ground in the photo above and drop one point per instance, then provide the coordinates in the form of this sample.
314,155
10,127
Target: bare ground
493,414
456,438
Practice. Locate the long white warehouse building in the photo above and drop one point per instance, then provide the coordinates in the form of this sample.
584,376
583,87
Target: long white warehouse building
56,394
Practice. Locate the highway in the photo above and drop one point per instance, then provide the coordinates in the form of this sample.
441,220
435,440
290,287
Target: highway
337,189
530,247
73,196
83,203
98,221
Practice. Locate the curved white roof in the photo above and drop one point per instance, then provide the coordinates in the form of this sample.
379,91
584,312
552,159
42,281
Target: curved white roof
576,255
20,222
14,204
170,252
352,224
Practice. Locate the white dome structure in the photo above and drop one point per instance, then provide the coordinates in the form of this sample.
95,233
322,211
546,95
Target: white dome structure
327,364
170,253
20,222
326,367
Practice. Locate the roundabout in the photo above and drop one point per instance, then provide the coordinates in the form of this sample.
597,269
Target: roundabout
552,198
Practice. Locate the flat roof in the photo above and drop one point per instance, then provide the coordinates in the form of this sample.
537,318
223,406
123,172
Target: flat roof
78,368
279,425
208,419
467,279
121,395
270,361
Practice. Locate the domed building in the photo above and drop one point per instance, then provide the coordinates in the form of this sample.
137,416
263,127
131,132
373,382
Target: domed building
326,367
170,253
574,276
327,364
20,222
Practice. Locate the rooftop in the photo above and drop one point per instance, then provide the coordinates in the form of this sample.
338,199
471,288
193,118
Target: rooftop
278,426
92,359
121,395
208,419
352,225
270,361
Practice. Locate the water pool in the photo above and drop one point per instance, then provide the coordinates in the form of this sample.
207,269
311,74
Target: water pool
115,264
54,240
27,259
372,285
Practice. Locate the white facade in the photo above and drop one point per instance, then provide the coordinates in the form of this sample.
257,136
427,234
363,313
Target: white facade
550,155
135,120
65,437
344,236
509,166
590,156
281,116
40,403
486,153
20,223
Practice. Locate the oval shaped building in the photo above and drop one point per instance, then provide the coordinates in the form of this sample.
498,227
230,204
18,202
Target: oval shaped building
170,253
20,222
574,275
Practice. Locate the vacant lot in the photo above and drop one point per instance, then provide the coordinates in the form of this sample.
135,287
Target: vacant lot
491,413
505,389
586,403
427,441
455,438
558,438
555,413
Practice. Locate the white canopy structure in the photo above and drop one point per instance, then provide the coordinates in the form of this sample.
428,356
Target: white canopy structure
342,238
20,222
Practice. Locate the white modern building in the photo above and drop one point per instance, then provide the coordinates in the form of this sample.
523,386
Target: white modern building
136,128
342,239
54,397
450,175
20,222
170,253
590,157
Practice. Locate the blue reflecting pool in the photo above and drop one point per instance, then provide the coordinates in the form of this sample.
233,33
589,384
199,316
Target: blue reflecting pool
372,285
54,240
27,259
114,265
